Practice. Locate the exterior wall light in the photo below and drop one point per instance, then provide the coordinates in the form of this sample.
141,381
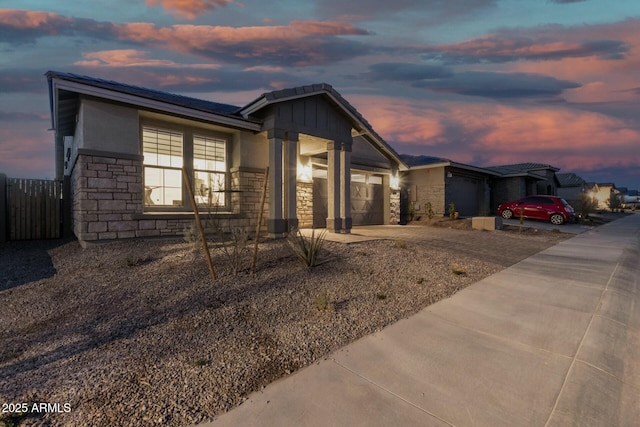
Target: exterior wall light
304,173
394,182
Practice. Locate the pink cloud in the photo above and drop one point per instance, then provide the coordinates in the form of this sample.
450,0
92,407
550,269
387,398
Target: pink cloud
298,43
23,19
189,9
502,134
132,58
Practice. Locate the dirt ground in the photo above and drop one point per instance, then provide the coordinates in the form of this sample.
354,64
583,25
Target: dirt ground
136,333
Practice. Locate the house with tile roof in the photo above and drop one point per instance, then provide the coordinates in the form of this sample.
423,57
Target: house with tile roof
571,186
124,153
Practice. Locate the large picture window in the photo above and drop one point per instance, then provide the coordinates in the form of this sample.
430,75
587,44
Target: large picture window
163,161
167,151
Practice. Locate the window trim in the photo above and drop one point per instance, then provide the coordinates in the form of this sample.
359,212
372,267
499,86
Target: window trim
188,134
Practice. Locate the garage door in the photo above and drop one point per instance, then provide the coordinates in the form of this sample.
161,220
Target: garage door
367,200
464,193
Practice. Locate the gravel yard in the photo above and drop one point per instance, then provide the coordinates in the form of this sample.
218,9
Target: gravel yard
135,333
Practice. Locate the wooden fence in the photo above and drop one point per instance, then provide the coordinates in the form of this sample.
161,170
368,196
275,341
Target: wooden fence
33,208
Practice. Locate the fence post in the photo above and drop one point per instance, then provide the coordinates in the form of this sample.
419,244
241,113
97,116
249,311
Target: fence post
66,207
3,208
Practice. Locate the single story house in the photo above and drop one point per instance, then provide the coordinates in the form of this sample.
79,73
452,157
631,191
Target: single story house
522,179
122,149
603,192
441,182
571,187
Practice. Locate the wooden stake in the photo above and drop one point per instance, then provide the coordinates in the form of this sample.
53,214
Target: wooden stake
264,195
199,224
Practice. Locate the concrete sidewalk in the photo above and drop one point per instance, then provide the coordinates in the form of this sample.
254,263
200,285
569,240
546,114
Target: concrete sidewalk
551,341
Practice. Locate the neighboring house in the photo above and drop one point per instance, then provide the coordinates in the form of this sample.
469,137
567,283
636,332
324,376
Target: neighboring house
121,150
441,182
602,193
521,180
571,186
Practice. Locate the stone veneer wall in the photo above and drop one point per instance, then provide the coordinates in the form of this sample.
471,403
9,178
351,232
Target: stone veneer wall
107,193
395,207
247,184
107,202
304,200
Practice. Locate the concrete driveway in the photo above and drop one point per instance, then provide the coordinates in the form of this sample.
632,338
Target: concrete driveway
572,227
550,341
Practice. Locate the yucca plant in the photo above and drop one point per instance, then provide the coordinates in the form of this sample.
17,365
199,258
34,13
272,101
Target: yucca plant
306,249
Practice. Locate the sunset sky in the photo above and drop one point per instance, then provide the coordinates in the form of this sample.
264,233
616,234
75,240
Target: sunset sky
482,82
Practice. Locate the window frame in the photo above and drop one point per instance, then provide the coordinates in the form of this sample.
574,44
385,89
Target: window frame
188,134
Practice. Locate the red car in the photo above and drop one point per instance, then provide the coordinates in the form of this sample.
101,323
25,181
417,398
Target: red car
548,208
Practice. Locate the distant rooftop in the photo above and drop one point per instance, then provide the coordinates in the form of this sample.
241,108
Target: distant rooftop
569,180
519,168
411,160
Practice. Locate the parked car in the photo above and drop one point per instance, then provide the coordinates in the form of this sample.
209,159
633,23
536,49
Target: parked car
548,208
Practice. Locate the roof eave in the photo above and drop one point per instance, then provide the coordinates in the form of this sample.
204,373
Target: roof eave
143,102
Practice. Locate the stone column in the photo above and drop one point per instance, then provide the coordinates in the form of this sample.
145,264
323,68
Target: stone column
275,222
290,178
334,222
345,186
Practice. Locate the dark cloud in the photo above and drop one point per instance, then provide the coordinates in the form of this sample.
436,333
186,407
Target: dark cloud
499,85
228,79
401,71
430,11
22,80
25,26
508,47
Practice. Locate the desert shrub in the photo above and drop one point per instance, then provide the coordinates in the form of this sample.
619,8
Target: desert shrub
428,209
400,244
306,249
321,301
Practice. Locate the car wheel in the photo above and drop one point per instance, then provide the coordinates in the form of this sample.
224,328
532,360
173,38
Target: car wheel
556,219
507,214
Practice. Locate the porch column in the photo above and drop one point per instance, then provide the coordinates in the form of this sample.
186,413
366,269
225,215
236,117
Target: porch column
275,222
345,186
334,223
290,179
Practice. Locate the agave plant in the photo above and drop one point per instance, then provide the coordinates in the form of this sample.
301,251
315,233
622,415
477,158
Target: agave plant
306,249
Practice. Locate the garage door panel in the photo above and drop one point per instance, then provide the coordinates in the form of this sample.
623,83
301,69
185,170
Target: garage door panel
465,195
367,203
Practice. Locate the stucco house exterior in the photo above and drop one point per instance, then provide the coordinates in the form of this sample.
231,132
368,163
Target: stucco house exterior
121,149
442,181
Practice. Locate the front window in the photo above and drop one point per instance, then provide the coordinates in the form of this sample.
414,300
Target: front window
167,151
163,160
209,168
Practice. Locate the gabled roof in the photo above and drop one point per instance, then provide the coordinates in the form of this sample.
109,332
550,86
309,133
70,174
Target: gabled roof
360,124
521,168
569,180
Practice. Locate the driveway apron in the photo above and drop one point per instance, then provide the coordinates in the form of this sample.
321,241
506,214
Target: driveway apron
550,341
